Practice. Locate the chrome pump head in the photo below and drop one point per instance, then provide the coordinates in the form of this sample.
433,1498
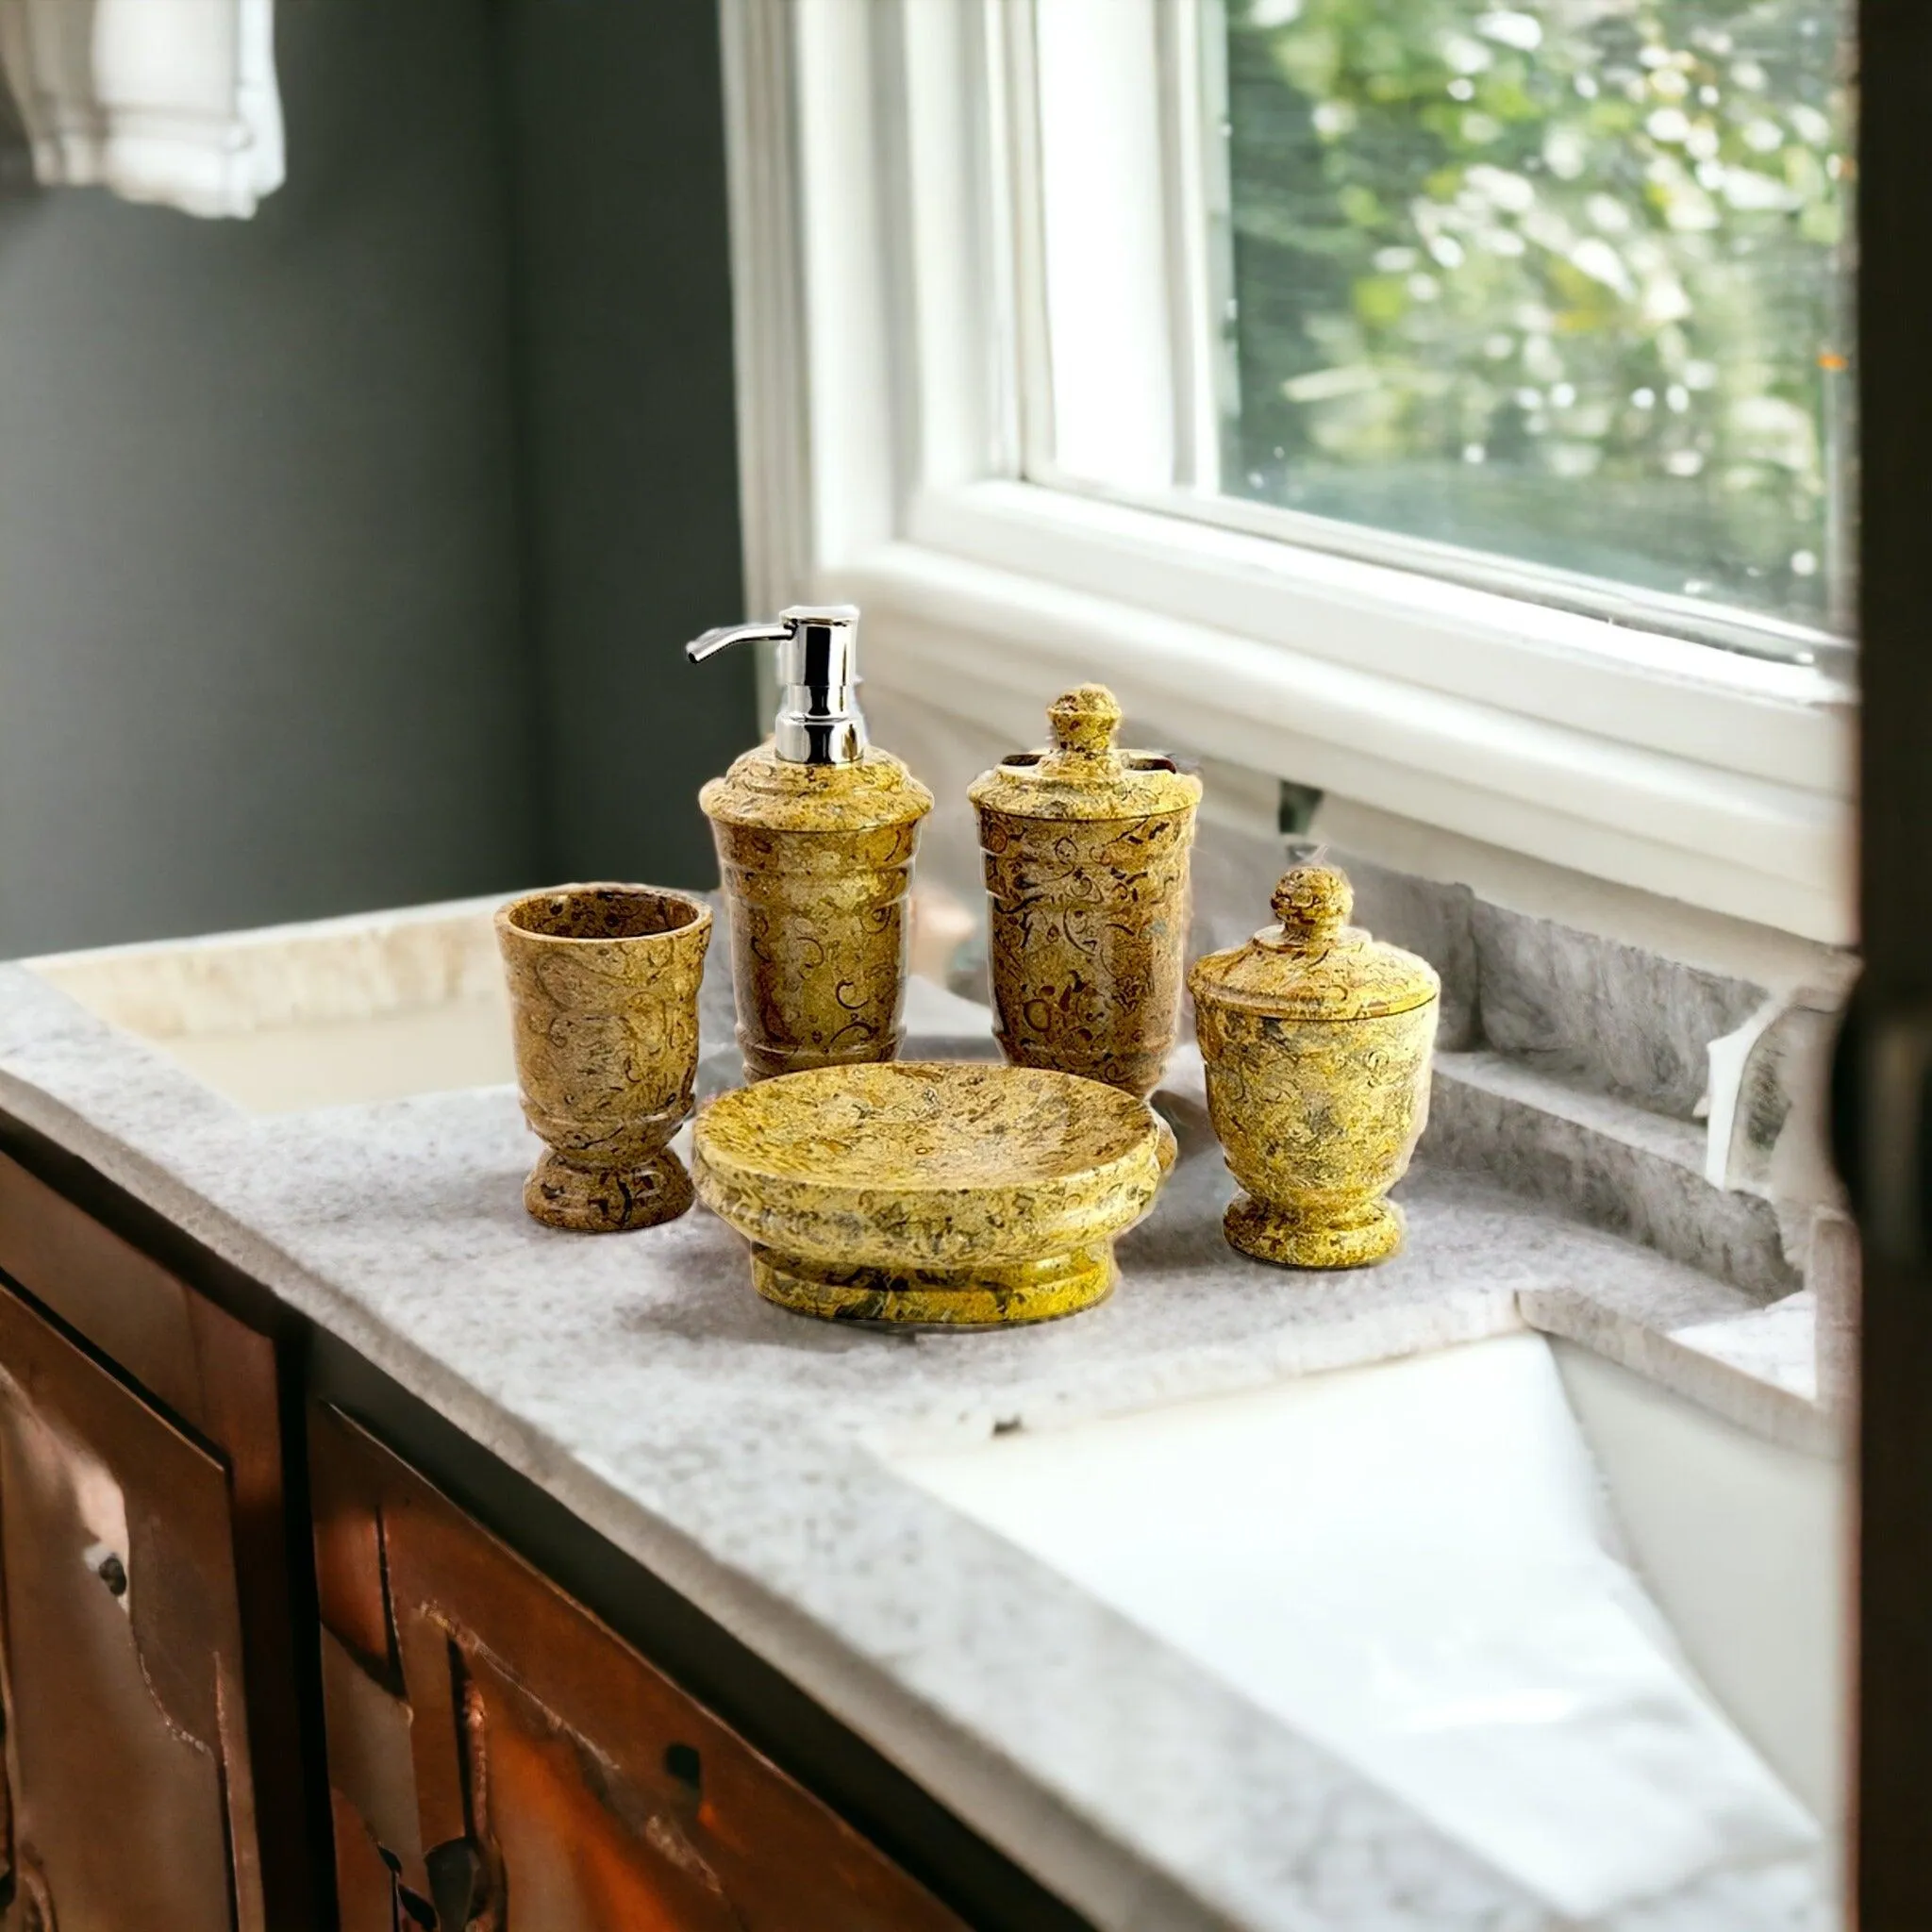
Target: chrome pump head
819,721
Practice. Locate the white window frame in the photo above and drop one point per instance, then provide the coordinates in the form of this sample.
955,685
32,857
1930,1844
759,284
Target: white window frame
880,443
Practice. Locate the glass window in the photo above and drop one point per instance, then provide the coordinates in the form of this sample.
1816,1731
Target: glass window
1561,280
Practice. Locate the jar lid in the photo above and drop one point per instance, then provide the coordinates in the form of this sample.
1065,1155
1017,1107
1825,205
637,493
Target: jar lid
1314,965
1084,775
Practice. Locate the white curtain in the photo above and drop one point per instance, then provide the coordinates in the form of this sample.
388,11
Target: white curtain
170,101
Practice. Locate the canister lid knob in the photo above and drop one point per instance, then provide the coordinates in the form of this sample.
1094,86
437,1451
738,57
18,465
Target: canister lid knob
1313,904
1084,720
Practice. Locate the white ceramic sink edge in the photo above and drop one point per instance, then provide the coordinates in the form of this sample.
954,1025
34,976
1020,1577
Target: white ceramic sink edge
1421,1564
348,1012
336,1012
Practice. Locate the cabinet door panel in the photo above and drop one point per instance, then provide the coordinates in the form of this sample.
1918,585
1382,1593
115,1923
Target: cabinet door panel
365,1886
131,1793
562,1784
204,1369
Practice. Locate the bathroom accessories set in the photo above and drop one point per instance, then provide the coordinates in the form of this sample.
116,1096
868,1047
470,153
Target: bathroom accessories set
967,1195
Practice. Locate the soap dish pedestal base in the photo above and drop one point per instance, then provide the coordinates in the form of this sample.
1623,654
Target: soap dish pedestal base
1002,1297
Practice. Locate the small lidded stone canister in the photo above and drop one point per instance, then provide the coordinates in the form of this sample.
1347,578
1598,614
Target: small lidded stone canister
1086,850
1317,1042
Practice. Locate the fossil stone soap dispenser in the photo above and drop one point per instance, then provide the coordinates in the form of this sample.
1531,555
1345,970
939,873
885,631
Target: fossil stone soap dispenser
816,831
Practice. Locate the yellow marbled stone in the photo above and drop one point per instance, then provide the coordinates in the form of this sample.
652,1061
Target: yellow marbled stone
816,860
1086,852
938,1194
1317,1041
604,1011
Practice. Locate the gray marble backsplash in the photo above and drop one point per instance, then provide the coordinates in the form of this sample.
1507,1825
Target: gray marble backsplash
1587,1009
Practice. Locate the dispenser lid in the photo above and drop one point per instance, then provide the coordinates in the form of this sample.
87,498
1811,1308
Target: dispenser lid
1314,965
1084,775
778,795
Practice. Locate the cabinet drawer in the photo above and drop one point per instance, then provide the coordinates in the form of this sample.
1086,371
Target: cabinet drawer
514,1765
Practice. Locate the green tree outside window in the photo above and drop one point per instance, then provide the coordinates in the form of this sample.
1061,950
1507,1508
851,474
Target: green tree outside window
1560,279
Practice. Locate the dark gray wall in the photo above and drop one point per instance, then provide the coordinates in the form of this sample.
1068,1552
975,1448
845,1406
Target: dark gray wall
344,552
260,650
624,307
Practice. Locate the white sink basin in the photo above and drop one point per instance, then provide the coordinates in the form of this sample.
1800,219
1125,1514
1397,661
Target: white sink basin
371,1008
1414,1563
332,1062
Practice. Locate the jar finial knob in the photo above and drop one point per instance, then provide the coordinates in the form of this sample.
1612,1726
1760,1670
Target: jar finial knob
1084,720
1313,904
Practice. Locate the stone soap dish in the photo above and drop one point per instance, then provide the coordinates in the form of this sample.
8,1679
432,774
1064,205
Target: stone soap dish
933,1195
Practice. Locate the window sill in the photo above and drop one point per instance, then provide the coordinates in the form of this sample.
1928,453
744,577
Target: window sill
1006,592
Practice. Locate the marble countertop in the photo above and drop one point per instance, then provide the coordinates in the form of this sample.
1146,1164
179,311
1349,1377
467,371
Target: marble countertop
736,1451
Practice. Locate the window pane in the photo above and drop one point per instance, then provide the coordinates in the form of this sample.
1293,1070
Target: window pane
1561,280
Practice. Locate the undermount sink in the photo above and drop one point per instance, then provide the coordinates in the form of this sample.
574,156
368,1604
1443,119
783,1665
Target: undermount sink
1587,1628
286,1068
371,1008
374,1007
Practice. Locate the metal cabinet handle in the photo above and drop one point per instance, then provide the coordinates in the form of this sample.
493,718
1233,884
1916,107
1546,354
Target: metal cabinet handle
1881,1082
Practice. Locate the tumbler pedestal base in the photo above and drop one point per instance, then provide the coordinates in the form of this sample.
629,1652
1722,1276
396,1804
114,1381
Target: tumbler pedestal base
607,1200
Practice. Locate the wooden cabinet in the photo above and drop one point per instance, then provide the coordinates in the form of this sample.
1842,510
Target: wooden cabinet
152,1768
128,1760
456,1742
499,1757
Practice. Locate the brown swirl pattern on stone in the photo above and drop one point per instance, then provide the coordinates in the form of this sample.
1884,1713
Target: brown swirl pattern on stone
604,1001
816,862
1086,852
935,1194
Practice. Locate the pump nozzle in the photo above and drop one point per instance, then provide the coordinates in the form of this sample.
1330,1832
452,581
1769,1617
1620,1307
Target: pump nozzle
819,721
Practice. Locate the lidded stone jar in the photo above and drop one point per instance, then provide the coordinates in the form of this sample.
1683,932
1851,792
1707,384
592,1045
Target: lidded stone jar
1317,1041
1086,850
